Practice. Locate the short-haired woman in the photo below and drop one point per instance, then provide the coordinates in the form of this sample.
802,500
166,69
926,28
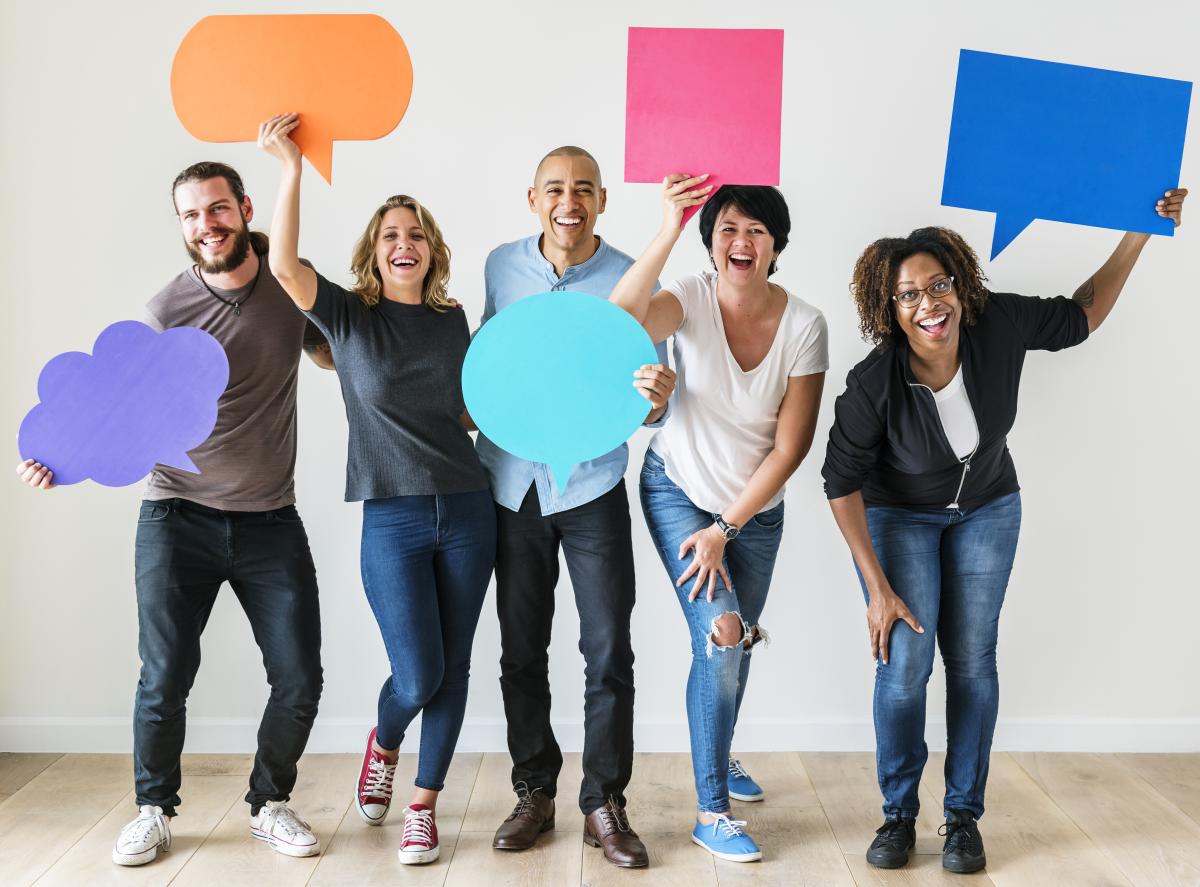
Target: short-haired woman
923,488
751,359
429,527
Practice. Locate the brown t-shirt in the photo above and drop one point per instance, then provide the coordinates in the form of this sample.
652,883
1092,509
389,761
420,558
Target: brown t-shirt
248,462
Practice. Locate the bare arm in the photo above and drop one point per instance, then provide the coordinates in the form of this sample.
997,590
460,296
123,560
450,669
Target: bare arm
793,437
1098,294
297,280
321,355
884,606
660,313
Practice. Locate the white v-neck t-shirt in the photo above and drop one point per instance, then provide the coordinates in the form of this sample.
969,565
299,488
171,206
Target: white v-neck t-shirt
723,418
958,419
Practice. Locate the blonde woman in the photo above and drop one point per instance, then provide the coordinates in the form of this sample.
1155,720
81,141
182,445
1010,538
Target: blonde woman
429,528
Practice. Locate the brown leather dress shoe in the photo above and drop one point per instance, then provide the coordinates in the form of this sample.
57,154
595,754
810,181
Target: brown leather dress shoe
608,827
533,815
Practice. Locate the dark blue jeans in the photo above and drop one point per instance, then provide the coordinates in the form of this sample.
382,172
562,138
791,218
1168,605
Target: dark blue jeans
184,553
426,563
596,542
717,680
951,569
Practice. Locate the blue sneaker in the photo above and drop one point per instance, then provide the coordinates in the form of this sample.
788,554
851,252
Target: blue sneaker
725,839
742,786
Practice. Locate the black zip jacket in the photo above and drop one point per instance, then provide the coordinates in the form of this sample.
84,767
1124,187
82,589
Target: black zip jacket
887,437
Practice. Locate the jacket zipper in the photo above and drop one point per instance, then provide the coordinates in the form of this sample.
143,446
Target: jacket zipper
966,460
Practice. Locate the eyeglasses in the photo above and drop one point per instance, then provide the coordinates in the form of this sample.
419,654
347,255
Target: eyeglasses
940,287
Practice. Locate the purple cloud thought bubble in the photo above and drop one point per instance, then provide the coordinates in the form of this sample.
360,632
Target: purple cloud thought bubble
140,398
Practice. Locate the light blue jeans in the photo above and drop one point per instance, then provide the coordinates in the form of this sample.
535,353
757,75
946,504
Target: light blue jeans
717,681
951,569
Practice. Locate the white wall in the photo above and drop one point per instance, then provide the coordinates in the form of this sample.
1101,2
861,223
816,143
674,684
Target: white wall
1097,645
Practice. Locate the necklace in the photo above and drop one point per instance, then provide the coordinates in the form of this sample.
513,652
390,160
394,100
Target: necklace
236,306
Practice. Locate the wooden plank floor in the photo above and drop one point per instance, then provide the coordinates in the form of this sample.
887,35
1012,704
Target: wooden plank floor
1053,819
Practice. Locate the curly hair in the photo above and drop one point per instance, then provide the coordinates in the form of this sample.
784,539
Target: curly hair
877,268
368,285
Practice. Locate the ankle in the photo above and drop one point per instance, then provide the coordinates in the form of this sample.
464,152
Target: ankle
426,797
391,755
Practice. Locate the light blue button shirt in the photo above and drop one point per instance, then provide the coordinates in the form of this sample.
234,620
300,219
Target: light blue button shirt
513,272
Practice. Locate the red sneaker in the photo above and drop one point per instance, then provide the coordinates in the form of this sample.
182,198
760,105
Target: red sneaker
374,795
420,843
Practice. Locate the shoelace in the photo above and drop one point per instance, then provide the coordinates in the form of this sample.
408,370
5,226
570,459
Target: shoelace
378,783
139,829
894,831
279,813
736,769
611,814
418,828
731,828
957,835
524,800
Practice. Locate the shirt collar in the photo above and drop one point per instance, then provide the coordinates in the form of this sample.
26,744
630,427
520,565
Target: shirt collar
595,258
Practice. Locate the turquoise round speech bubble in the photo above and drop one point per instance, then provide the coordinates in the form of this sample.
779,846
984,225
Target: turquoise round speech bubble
550,379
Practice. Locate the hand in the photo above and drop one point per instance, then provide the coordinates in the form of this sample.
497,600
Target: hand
1171,205
678,196
36,475
654,382
708,562
884,610
274,137
454,303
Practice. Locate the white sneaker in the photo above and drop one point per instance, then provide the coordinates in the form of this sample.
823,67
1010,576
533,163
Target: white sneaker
278,825
139,841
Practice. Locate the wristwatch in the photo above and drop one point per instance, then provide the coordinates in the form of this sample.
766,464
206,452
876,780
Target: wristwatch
728,530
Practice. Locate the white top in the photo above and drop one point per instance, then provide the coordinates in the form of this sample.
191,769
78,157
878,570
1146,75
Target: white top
722,421
958,419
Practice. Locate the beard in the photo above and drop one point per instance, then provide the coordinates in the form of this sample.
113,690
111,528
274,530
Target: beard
234,259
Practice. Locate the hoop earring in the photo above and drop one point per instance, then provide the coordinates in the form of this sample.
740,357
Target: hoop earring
772,268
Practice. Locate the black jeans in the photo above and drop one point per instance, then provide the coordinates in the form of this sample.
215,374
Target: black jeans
184,552
599,550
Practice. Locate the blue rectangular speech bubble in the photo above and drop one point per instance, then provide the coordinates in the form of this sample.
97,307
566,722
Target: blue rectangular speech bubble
1042,140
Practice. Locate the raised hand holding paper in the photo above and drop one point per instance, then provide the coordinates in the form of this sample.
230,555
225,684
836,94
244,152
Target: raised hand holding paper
684,113
550,379
348,76
1032,139
138,399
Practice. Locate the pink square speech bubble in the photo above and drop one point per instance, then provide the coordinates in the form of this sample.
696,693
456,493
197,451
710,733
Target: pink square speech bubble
704,100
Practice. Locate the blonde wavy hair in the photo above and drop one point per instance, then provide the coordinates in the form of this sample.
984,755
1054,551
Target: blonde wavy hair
368,285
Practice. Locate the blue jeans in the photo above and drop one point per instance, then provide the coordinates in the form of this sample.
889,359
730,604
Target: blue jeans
951,569
426,563
717,681
185,551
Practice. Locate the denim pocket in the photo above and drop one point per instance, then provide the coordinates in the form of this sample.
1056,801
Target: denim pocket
654,473
153,511
771,519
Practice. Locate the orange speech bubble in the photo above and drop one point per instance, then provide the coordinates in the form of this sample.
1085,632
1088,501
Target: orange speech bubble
348,76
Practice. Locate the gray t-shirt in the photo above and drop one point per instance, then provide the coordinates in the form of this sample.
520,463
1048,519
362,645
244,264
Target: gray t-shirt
401,372
248,462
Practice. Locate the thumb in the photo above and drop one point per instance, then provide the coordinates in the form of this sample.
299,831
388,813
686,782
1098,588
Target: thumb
908,617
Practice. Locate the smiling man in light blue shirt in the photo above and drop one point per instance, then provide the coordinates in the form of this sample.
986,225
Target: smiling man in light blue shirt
589,520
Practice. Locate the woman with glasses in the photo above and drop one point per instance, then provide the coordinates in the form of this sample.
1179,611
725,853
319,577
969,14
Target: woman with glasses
923,488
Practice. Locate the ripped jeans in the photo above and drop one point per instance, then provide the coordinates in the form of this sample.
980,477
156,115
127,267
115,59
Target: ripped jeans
717,681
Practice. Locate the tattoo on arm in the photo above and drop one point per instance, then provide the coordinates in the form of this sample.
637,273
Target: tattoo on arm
322,348
1086,294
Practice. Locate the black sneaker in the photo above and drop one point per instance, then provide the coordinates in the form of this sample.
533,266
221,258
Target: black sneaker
892,842
963,850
